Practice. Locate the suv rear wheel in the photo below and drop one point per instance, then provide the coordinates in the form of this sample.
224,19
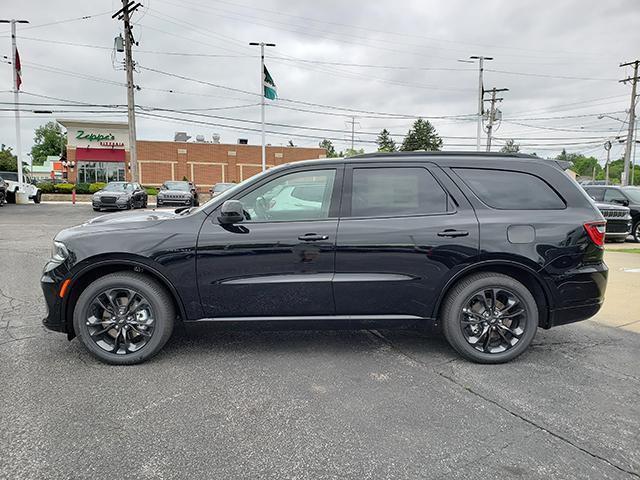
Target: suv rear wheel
636,231
489,318
124,318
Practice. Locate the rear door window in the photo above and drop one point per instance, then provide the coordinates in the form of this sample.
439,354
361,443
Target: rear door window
510,190
396,191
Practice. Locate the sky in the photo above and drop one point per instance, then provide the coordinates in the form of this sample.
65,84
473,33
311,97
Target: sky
377,64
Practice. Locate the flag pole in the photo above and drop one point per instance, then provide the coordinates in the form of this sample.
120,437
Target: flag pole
16,101
262,104
262,97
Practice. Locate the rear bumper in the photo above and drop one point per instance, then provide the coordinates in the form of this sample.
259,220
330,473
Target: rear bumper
579,294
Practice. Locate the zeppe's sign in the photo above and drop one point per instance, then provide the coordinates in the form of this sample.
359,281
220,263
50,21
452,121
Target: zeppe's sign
105,139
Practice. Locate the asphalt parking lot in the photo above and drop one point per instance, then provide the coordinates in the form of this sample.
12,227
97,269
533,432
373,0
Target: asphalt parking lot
304,404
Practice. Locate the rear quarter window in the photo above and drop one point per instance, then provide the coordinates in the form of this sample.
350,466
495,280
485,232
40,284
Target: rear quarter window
510,190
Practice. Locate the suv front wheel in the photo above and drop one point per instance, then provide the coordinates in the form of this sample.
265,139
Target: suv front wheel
489,318
124,318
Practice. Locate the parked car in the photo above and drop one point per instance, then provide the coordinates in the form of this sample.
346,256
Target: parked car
3,191
178,194
120,196
218,188
32,191
489,246
625,196
618,221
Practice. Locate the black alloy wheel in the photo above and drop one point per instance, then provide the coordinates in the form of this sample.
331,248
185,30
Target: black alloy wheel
124,318
489,317
636,232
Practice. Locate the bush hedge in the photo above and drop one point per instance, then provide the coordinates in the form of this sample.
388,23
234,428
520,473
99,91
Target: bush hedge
81,188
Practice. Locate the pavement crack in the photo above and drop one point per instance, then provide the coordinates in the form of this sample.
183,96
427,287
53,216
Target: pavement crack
497,404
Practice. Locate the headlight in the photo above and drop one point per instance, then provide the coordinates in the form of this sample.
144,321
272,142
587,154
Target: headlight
59,254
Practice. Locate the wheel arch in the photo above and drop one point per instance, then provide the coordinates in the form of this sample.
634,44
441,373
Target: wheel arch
524,274
100,268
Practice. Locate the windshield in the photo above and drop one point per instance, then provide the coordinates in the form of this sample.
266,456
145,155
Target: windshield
118,187
633,193
12,176
177,186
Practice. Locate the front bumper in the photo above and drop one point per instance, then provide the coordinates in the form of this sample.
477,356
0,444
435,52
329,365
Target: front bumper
54,319
110,206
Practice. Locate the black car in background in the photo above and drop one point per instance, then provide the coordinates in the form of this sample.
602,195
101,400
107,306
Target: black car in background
177,194
120,196
489,246
625,196
618,221
3,191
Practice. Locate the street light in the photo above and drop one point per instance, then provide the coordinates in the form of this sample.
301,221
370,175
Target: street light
600,117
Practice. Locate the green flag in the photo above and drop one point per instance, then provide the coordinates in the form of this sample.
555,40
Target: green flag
270,91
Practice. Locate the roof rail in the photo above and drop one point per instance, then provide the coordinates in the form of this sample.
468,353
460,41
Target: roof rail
424,153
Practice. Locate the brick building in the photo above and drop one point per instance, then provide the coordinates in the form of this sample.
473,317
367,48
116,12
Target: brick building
99,152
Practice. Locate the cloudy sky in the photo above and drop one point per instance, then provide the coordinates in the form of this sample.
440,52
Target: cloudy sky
380,64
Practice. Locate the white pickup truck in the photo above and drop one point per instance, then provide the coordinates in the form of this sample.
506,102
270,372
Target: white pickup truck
31,190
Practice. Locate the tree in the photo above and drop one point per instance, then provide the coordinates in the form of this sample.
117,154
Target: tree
583,166
510,146
328,146
350,152
49,139
385,142
8,161
421,136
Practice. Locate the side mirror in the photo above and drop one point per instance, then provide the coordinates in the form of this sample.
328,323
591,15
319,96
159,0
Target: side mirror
623,202
231,212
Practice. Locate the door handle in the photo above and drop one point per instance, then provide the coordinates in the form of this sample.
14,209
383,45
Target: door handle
453,233
312,237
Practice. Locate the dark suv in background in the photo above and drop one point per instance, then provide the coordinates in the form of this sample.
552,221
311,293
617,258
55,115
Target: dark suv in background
177,194
625,196
488,246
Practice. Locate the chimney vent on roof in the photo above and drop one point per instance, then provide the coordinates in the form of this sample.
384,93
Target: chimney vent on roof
243,141
200,138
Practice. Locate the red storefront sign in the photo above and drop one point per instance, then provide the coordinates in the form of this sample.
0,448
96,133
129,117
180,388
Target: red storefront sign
100,155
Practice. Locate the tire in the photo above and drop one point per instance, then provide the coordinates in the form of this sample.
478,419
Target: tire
160,309
11,197
130,205
38,197
144,203
457,325
96,209
636,232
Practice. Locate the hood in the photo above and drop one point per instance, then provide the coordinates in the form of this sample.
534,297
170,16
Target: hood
174,193
611,206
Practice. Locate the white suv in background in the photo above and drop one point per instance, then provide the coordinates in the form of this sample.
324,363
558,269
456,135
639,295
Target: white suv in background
31,190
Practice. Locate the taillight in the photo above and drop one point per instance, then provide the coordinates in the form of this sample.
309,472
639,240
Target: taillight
596,232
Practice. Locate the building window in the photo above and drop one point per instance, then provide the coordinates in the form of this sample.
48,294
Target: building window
92,172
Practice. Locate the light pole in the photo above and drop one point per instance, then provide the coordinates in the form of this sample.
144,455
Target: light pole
262,96
607,147
16,104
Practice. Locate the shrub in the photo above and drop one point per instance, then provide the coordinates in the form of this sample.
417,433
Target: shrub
82,188
46,187
151,190
94,187
64,187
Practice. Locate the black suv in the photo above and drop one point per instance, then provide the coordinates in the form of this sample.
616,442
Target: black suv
488,246
178,194
626,196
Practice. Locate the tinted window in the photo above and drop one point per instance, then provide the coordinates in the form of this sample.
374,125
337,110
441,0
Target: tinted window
275,200
613,195
510,190
396,191
595,193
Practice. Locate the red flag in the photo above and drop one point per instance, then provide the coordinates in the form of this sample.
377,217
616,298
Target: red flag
18,71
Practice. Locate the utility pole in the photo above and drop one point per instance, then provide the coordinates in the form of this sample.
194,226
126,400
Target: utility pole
262,97
492,112
607,147
632,118
352,123
16,103
481,60
124,14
